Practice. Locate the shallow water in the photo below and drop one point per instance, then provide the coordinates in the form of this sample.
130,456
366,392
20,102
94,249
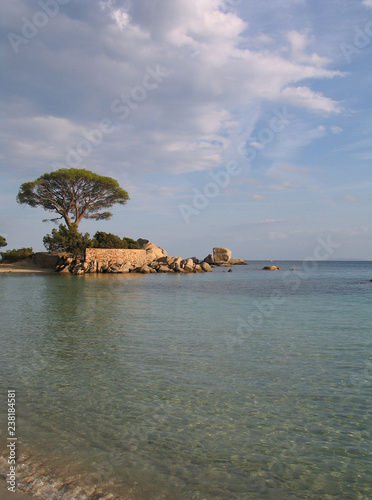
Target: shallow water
246,385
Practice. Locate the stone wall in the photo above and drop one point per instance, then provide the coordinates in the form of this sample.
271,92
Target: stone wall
116,255
45,259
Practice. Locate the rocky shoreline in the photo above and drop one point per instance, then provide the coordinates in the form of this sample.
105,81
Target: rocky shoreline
155,260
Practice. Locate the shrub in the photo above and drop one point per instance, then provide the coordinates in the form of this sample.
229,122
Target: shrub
109,240
16,254
3,242
132,243
67,240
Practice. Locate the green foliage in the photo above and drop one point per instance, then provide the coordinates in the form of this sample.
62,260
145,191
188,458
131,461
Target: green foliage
16,254
67,239
109,240
3,242
73,194
132,243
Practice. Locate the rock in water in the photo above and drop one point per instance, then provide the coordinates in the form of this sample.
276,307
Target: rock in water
206,267
221,255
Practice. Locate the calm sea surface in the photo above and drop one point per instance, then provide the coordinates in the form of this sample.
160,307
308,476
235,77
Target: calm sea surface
242,385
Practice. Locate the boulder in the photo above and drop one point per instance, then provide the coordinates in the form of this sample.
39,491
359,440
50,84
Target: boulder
127,268
206,267
102,267
198,268
115,268
145,269
176,263
187,265
270,268
195,260
165,269
142,242
221,255
209,259
153,252
238,262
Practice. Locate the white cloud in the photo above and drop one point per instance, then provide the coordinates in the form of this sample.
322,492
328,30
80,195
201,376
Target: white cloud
218,75
307,98
336,130
367,3
257,197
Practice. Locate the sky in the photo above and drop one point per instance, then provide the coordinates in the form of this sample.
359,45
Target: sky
231,123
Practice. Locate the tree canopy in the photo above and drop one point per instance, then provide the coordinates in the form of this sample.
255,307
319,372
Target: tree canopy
73,194
3,242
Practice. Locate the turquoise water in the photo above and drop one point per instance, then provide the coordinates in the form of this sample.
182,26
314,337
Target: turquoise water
246,385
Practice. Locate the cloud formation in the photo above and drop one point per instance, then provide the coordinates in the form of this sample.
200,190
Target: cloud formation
86,58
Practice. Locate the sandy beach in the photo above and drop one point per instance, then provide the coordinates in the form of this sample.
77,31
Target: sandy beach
23,266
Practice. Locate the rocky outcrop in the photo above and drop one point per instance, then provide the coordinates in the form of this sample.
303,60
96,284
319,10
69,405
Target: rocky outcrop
153,252
238,262
221,255
155,260
272,268
142,242
148,260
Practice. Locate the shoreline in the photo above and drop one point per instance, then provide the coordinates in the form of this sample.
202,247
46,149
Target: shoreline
24,266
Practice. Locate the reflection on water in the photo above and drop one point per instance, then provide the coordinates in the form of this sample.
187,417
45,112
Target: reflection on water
144,386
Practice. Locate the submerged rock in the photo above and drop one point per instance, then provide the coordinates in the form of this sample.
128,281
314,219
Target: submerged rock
270,268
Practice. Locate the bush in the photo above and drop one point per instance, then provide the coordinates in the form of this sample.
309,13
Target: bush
132,243
3,242
67,240
109,240
16,254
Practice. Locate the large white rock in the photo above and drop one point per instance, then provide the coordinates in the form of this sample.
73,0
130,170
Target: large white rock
153,252
221,255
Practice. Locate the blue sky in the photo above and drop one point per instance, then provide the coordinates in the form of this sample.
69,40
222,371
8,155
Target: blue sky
229,122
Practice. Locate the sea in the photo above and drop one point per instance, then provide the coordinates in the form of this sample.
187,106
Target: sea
247,384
